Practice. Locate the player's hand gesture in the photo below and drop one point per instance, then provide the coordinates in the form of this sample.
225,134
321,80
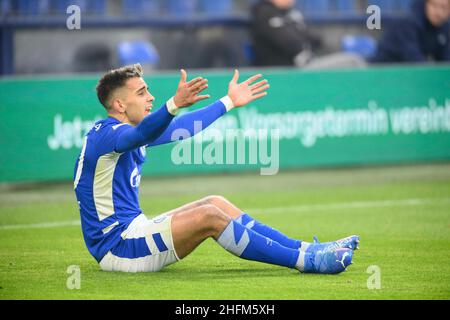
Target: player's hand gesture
188,92
247,91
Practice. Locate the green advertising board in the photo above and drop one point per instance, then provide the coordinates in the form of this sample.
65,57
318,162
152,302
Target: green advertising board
314,118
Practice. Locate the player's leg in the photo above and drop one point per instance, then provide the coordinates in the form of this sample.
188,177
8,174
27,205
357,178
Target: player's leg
251,223
243,218
190,228
237,214
192,224
188,206
226,206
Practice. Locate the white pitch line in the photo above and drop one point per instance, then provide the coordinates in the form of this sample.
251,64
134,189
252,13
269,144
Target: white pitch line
41,225
303,208
354,205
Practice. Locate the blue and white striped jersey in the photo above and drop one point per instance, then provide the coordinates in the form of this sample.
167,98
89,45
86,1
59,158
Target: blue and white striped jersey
106,182
107,186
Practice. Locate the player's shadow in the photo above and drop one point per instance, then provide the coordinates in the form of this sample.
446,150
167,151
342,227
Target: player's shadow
218,273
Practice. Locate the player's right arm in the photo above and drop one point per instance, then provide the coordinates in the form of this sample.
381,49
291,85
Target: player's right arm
153,125
149,129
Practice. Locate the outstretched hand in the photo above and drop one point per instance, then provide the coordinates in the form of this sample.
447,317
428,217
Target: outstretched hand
247,91
188,92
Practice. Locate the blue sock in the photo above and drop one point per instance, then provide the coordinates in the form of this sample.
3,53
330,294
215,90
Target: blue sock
250,245
267,231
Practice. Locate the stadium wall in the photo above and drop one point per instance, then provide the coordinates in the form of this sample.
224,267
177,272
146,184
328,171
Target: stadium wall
310,119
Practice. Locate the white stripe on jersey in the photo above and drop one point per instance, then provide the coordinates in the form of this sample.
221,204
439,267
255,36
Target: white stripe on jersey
118,125
110,227
103,184
80,164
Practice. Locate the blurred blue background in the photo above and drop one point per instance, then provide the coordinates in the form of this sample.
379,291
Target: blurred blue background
164,34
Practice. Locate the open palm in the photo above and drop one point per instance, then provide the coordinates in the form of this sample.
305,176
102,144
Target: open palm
247,91
188,93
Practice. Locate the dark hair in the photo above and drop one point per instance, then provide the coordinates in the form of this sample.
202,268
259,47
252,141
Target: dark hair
115,79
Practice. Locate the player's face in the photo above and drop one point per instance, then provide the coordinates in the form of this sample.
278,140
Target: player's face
137,100
437,11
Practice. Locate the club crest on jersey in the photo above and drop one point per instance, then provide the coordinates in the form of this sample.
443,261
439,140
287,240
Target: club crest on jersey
135,178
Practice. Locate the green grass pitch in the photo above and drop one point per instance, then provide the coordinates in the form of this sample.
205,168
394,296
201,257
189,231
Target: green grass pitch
402,214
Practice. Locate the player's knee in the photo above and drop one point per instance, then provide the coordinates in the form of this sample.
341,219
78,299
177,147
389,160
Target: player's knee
213,219
215,200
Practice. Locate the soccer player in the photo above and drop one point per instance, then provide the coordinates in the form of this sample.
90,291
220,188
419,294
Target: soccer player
107,177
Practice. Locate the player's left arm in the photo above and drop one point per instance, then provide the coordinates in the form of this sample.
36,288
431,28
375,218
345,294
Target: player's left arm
239,94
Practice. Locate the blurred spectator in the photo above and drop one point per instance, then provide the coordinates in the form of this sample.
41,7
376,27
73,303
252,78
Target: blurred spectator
281,38
279,33
423,36
92,57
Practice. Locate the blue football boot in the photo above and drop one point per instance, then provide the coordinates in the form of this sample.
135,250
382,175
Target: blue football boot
350,242
327,261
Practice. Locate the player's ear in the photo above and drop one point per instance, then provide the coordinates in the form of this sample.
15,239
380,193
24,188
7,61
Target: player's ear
117,105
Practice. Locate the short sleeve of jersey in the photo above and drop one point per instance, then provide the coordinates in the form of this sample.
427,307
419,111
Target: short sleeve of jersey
105,136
